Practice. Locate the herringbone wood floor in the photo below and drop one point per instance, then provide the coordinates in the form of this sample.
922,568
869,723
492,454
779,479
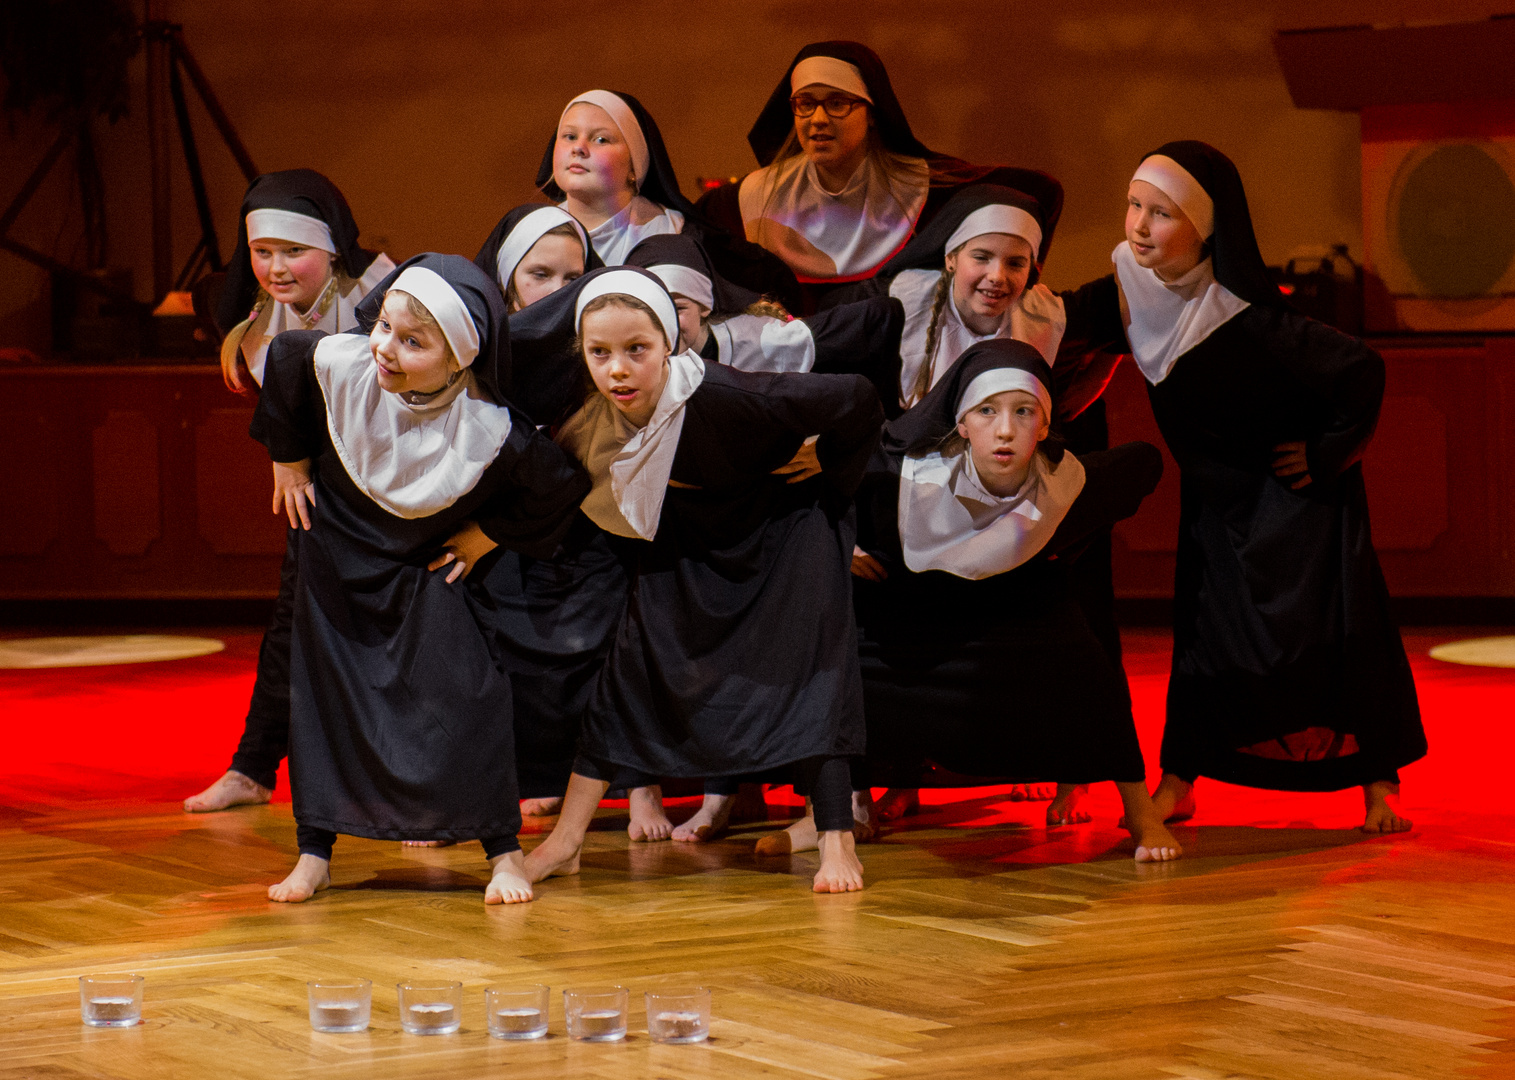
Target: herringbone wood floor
994,950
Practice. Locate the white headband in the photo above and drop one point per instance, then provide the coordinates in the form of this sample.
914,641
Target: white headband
829,71
527,232
1176,182
998,218
638,286
446,306
290,226
996,381
686,282
624,119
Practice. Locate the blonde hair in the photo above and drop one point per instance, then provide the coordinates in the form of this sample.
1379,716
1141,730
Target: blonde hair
765,307
512,298
934,328
880,157
422,314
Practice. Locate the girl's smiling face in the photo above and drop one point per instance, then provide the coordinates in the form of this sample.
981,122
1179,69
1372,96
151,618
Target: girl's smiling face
591,161
1162,237
291,273
552,262
627,356
1003,432
692,330
410,353
989,273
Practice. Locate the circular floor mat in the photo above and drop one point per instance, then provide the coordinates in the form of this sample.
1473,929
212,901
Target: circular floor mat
50,652
1481,652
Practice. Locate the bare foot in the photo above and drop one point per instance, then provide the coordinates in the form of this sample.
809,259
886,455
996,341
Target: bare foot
798,837
541,807
310,875
841,870
1381,817
709,820
510,885
648,821
1065,808
233,789
1032,792
427,843
1154,843
550,859
899,802
865,826
1174,800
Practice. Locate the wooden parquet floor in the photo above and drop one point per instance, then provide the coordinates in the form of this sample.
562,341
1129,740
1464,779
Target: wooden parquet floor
996,950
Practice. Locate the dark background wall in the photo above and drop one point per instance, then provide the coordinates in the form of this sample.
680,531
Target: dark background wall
432,114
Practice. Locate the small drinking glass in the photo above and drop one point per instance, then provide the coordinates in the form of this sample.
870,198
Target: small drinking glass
516,1012
431,1008
596,1015
110,1000
337,1007
679,1016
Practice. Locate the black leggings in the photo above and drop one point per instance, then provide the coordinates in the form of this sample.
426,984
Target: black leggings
319,842
265,735
824,780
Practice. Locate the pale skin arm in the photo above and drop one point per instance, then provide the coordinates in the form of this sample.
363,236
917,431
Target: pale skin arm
294,493
1290,464
466,547
805,463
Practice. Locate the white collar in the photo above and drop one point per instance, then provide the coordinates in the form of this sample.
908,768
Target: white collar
413,460
949,521
1165,319
614,237
630,466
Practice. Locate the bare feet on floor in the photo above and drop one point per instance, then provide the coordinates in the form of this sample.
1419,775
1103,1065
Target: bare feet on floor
841,870
1174,800
509,885
1144,821
1032,792
798,837
427,843
899,802
709,820
648,821
541,807
1381,817
310,875
233,789
550,858
1066,808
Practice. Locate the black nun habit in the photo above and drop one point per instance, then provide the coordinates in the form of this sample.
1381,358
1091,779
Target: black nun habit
1288,669
401,711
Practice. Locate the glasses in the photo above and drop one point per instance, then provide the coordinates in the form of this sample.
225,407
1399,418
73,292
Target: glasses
836,106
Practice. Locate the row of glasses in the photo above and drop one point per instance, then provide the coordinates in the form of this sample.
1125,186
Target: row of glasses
591,1015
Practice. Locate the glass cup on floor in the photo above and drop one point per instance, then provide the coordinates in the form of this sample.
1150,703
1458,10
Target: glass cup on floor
430,1008
516,1012
110,1000
340,1005
679,1016
597,1015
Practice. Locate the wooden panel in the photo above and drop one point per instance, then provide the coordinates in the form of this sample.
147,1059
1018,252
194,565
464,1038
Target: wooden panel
128,511
31,485
1406,475
229,469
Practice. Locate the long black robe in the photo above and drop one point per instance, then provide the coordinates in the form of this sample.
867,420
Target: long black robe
1001,677
737,651
400,710
1288,670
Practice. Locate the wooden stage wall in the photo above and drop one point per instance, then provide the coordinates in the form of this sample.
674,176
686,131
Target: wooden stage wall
132,483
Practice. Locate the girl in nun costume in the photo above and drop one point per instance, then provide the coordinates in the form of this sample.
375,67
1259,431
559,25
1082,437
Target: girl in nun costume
974,653
736,651
731,325
843,181
297,266
1288,671
534,251
387,444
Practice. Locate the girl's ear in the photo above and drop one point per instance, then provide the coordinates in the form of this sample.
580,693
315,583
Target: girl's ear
962,430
